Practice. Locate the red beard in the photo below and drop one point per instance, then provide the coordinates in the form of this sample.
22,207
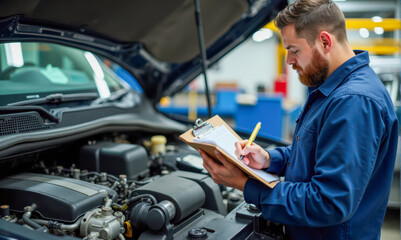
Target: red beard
316,72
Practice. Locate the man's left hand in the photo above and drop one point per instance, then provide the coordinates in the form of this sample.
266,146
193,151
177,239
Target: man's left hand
226,174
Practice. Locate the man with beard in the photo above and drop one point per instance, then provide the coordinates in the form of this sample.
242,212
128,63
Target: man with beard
338,170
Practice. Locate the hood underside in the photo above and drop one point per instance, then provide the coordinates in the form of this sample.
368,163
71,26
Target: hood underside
156,40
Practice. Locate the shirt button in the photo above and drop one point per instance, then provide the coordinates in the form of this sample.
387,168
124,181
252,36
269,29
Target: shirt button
288,163
308,106
297,137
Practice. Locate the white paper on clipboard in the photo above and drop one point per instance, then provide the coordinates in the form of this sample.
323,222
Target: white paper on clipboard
225,140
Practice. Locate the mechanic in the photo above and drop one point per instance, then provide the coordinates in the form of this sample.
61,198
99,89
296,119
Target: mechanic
339,169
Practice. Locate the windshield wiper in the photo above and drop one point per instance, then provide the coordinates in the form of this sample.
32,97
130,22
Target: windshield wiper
57,98
113,97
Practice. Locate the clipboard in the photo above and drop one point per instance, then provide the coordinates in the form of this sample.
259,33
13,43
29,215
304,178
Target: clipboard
201,128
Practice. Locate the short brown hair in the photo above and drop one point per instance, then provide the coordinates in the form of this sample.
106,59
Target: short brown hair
311,17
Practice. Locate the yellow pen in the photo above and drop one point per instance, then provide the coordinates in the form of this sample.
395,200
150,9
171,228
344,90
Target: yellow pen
252,137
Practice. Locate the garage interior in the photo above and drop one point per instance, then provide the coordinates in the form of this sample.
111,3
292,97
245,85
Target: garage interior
254,76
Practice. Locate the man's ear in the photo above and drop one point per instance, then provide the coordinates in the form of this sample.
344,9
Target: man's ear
325,39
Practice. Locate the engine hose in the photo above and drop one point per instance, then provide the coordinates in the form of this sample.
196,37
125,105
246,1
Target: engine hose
26,217
115,184
48,223
114,196
90,173
27,220
114,178
116,207
71,227
133,200
108,202
109,176
57,225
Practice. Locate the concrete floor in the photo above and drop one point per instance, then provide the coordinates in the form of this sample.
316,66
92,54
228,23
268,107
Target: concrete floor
391,225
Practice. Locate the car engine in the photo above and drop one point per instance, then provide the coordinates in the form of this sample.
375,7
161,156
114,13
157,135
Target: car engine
111,187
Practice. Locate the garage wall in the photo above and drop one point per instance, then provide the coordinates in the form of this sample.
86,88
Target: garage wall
248,65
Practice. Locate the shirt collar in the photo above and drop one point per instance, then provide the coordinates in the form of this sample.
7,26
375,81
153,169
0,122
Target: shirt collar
361,58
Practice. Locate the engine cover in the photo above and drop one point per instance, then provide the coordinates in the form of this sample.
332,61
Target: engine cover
186,195
57,198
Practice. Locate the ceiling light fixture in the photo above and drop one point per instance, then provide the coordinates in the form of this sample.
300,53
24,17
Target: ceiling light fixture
364,32
377,19
378,30
262,35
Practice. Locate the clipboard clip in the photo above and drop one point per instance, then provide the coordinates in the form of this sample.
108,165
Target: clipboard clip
201,127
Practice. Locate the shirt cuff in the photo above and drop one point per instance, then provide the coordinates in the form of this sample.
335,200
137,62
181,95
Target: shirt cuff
252,191
275,161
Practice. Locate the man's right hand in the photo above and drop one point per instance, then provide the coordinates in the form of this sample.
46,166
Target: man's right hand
254,155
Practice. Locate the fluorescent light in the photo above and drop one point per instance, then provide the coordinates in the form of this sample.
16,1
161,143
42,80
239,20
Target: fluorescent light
14,54
377,19
262,35
364,32
98,75
378,30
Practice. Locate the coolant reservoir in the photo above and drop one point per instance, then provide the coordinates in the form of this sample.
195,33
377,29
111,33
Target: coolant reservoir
158,143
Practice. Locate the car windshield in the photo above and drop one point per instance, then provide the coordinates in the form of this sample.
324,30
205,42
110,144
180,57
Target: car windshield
31,70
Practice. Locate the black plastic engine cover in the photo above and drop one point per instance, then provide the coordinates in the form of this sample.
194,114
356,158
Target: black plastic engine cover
58,198
115,158
186,195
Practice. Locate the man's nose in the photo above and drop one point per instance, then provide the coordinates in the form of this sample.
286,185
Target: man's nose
290,60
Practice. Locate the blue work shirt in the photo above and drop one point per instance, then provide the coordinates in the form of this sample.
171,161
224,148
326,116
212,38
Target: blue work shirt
339,169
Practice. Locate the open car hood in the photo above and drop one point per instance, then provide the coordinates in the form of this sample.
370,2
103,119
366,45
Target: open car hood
155,40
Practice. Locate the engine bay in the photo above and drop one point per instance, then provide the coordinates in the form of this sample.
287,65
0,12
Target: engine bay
117,186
